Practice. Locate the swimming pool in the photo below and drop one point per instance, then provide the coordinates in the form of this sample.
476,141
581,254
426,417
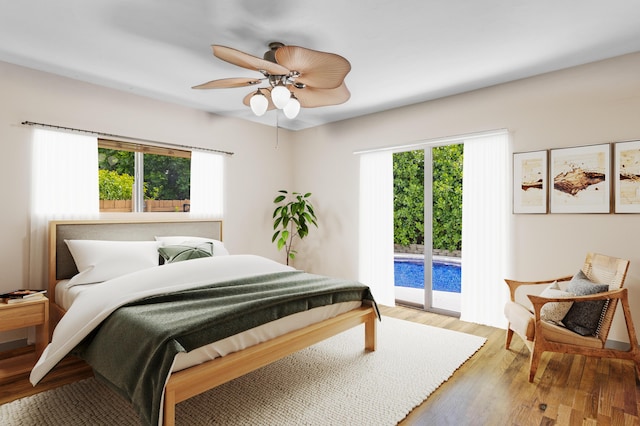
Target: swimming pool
410,273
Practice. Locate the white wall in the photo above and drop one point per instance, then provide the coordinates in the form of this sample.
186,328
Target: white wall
253,174
591,104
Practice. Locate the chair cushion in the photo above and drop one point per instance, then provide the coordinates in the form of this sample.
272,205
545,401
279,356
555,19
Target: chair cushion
520,320
583,317
557,333
555,311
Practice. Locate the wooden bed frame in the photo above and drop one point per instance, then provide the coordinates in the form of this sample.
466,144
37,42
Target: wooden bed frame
187,383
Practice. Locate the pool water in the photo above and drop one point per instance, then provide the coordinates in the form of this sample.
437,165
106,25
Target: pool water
410,273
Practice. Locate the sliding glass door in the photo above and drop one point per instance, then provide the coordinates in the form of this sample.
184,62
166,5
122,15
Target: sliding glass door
410,238
427,227
444,213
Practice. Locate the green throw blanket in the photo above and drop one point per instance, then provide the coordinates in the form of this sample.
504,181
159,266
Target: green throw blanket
133,349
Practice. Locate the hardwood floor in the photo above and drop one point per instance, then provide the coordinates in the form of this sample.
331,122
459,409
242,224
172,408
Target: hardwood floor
491,388
69,370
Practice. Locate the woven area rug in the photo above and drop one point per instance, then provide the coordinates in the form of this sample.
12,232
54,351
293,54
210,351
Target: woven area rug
332,383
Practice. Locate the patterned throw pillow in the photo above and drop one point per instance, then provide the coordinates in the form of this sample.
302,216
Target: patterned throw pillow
178,253
555,311
583,317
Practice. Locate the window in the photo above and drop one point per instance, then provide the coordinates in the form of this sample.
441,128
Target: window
143,178
65,183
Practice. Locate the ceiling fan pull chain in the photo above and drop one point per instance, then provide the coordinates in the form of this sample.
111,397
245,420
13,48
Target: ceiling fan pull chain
277,132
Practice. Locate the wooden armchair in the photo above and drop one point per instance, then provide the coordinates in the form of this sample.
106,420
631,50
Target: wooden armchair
540,335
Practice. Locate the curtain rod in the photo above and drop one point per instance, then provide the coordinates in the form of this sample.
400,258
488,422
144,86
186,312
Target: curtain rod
432,142
124,138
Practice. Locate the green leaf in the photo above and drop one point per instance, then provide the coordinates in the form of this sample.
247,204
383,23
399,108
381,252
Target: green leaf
275,235
310,210
279,199
308,218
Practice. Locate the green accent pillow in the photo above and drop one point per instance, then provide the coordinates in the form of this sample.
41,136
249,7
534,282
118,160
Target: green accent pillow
178,253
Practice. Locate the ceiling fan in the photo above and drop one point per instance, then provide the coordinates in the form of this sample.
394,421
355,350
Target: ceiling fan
296,76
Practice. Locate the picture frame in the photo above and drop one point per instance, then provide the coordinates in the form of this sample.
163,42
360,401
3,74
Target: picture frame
580,179
627,177
530,182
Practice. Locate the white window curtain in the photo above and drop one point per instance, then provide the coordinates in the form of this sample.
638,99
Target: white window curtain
376,225
64,186
207,185
485,223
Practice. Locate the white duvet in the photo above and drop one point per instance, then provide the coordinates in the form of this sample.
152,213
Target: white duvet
93,305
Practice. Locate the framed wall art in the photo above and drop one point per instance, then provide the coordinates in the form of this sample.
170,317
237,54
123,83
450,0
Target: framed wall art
627,177
580,179
530,182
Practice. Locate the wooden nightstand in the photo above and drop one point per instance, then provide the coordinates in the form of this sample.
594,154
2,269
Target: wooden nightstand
19,315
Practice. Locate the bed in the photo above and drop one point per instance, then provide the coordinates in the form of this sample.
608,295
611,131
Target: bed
83,310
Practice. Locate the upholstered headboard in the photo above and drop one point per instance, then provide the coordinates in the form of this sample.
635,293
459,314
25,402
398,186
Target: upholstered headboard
64,266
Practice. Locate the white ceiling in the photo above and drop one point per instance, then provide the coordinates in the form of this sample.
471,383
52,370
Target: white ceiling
401,52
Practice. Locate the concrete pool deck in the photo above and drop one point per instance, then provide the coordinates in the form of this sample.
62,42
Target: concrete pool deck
441,299
436,259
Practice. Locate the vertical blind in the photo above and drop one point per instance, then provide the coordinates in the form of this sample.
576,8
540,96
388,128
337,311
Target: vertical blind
376,225
207,184
485,223
64,185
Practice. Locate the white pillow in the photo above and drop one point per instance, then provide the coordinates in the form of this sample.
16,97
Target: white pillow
218,247
99,261
555,311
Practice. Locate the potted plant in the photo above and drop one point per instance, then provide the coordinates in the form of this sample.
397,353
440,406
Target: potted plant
292,218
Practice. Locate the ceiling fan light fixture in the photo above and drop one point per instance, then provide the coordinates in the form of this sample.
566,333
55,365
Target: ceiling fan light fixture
259,103
292,108
280,96
287,70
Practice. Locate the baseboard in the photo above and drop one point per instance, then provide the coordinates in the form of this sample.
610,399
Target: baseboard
14,344
618,346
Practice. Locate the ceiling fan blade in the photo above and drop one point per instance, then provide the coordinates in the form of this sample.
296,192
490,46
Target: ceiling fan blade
266,92
317,69
225,83
311,97
245,60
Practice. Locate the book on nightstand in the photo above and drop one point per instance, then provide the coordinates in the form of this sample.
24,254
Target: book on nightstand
22,295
